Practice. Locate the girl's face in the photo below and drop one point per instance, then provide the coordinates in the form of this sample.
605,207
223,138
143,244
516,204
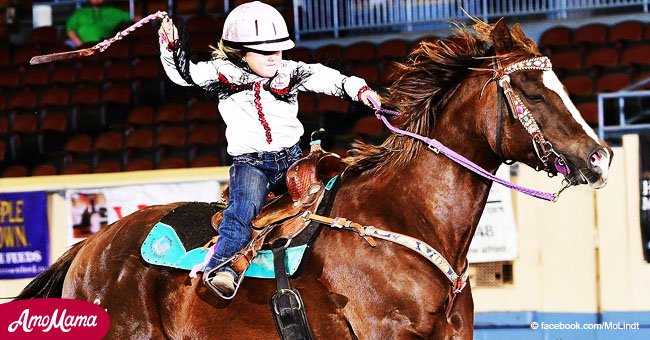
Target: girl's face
265,64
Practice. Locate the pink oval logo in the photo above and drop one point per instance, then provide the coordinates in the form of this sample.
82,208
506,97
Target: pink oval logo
52,319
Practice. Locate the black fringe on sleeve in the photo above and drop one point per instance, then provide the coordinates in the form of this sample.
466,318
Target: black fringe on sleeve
222,88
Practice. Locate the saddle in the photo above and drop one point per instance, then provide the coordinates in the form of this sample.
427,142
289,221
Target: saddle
315,168
283,217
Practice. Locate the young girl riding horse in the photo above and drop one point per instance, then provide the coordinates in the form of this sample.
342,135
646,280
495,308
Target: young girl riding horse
257,92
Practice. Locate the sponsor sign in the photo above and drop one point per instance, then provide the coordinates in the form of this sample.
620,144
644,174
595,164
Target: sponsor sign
24,236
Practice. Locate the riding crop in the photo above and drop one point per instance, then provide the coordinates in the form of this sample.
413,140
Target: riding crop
100,47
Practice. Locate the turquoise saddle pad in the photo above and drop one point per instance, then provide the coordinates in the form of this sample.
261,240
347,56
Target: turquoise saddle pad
162,247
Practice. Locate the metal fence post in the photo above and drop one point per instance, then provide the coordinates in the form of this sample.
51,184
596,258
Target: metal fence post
335,13
170,8
601,117
621,111
409,16
296,21
485,10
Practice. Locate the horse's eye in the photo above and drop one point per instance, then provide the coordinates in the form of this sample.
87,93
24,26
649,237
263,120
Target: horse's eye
535,99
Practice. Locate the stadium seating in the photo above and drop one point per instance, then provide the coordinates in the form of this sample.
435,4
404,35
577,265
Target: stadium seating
65,75
300,54
119,71
36,77
45,35
10,80
3,150
360,52
591,34
567,59
206,161
5,57
131,117
92,73
23,54
16,170
78,148
395,49
76,169
46,169
605,57
141,164
141,115
556,36
54,127
108,143
213,6
636,55
328,53
4,125
626,31
120,49
107,166
171,114
204,111
172,163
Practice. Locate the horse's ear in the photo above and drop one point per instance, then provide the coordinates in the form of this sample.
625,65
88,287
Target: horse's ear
518,32
501,37
520,36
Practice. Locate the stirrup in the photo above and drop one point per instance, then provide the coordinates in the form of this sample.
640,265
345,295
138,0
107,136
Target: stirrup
207,278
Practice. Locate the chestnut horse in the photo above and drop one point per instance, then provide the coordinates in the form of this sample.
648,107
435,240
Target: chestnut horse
444,91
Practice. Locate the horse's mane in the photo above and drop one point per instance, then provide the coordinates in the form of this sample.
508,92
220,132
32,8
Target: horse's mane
423,85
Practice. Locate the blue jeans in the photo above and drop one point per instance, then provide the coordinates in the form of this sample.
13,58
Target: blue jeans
252,176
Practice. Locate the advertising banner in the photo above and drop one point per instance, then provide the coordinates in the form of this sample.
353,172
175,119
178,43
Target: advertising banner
24,235
496,236
90,210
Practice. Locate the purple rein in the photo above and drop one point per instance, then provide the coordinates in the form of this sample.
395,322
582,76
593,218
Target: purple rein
438,147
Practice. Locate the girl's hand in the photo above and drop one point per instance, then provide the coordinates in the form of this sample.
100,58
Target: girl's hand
168,30
370,94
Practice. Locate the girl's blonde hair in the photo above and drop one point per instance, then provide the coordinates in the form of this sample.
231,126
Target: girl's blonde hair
226,52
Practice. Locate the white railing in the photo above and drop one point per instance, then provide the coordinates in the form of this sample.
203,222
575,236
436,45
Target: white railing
336,16
625,121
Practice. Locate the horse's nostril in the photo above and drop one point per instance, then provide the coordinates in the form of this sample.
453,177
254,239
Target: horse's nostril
598,159
595,158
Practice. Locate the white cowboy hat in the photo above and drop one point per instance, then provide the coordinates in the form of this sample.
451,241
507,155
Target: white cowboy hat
256,26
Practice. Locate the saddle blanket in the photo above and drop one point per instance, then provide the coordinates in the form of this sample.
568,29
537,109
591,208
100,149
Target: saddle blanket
163,247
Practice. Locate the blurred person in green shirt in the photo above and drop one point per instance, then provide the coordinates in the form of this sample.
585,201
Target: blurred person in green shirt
94,23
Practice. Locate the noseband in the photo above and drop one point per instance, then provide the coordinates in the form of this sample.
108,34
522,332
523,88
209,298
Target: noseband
543,148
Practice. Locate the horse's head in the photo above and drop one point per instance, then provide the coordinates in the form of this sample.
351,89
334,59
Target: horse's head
539,124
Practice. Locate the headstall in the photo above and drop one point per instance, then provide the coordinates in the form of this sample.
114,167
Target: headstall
543,148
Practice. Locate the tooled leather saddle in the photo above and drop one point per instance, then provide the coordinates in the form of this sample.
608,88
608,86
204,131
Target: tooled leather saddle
281,216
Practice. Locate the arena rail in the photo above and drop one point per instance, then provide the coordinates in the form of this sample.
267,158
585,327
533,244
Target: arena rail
632,116
337,16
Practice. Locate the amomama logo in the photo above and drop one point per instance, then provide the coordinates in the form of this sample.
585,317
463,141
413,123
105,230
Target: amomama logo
52,319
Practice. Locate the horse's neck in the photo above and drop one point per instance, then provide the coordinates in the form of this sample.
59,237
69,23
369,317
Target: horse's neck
440,203
437,200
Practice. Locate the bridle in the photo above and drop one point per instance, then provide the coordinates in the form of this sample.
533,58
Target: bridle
543,148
